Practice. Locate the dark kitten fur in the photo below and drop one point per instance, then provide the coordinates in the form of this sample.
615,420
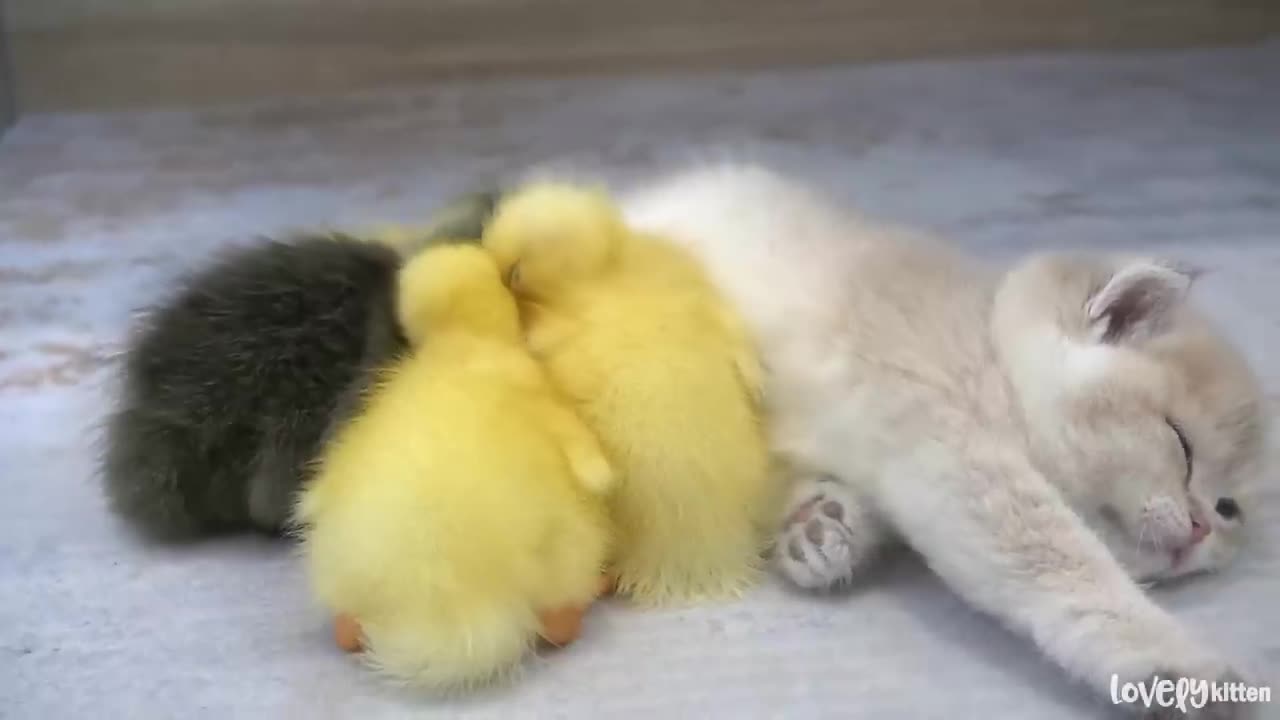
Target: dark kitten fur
231,386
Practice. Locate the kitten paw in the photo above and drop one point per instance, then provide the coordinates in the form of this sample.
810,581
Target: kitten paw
822,544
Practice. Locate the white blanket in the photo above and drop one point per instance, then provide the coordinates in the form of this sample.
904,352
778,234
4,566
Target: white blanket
1175,152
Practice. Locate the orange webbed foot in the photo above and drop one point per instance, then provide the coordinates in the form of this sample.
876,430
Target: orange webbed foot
561,626
346,632
608,585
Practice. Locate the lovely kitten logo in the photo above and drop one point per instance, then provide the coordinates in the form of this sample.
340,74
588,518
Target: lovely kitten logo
1185,693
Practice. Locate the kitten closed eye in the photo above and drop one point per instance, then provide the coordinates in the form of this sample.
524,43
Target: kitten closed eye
1187,455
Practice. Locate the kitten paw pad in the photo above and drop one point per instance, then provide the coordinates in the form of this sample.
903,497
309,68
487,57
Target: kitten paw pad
816,550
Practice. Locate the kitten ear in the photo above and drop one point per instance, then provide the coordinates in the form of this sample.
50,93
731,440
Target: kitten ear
1139,300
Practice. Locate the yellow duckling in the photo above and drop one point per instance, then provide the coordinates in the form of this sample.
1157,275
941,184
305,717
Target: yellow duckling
460,513
631,328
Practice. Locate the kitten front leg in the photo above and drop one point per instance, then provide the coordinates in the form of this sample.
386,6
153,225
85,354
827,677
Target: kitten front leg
276,478
829,535
996,531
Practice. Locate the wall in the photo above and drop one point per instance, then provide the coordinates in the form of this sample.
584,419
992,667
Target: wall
80,54
8,109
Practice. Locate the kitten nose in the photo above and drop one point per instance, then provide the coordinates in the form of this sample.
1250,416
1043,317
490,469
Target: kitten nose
1199,530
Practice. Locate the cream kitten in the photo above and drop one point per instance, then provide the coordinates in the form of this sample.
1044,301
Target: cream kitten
917,396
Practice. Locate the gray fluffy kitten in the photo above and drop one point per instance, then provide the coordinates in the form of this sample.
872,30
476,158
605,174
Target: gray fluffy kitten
232,385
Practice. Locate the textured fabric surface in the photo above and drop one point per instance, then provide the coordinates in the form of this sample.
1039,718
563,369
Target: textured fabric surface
1173,152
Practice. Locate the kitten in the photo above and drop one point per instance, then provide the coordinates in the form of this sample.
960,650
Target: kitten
917,396
230,386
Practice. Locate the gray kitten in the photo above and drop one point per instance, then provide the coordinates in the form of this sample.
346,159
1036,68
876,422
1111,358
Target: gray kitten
232,385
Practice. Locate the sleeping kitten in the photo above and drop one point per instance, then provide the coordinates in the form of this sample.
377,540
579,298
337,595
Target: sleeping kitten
230,386
920,397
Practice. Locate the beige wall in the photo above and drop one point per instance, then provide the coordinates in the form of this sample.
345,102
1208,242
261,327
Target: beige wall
73,54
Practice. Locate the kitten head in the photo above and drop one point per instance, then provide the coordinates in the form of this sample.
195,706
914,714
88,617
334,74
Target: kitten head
454,286
547,235
1148,420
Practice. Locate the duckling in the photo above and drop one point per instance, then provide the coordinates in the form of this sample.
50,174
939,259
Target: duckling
461,513
631,329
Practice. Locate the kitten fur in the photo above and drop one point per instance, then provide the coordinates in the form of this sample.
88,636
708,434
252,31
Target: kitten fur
1022,431
230,386
630,328
464,498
